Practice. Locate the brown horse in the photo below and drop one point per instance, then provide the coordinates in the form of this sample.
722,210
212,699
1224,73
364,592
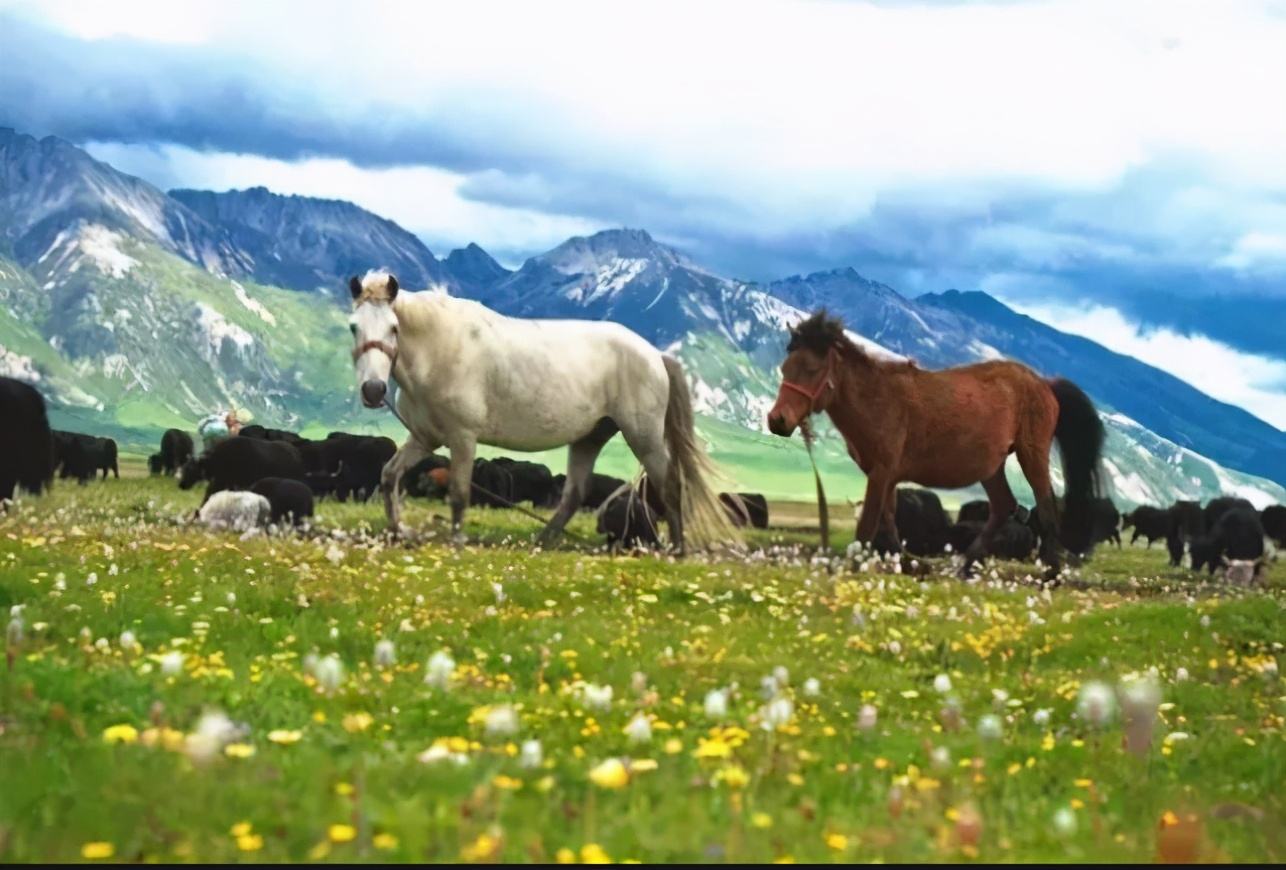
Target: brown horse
944,429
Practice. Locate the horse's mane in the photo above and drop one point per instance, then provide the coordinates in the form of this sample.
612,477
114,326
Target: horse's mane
822,331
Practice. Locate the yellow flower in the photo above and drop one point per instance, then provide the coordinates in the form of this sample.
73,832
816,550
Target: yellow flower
343,789
610,774
507,782
238,750
838,842
673,746
733,776
167,738
643,765
121,734
284,737
762,821
592,853
320,851
715,747
482,849
566,856
250,843
240,829
355,722
384,842
341,833
97,851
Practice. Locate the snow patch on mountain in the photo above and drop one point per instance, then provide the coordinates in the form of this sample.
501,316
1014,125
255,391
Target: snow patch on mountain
254,305
216,329
101,247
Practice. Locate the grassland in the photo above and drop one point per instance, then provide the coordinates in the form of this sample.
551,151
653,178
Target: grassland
104,754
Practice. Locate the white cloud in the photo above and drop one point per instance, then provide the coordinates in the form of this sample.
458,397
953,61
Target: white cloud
1255,383
1257,249
422,199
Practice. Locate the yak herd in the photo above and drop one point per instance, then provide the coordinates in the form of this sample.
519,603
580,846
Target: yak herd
270,475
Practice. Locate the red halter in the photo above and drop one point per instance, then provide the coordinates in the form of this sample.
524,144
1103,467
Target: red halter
383,347
827,380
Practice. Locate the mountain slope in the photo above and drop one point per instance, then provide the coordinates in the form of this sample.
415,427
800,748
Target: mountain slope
306,243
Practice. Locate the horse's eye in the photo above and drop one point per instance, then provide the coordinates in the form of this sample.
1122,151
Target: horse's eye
352,327
395,330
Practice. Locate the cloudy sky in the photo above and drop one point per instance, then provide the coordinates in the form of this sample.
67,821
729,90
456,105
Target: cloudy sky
1117,168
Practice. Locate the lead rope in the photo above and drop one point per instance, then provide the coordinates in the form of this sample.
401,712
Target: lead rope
823,509
500,498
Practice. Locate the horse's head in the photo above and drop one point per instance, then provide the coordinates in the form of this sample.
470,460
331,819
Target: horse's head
374,328
807,374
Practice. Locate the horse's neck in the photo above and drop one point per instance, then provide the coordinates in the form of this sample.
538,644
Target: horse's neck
867,394
423,328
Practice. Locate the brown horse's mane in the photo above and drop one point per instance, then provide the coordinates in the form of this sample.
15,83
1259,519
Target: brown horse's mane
822,331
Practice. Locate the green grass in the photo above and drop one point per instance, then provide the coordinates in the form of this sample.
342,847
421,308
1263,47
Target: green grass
816,789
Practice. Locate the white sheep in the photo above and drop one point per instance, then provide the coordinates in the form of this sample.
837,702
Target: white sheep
235,510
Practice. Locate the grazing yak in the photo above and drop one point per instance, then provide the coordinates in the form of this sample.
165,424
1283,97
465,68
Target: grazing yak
628,521
263,433
529,481
1105,521
26,442
598,490
1187,521
176,450
236,463
346,465
1217,507
154,464
291,500
745,508
1014,540
974,512
235,511
83,456
417,480
921,525
1152,523
1235,542
1273,518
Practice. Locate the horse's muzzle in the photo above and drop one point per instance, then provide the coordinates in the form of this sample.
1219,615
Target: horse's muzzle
778,425
373,392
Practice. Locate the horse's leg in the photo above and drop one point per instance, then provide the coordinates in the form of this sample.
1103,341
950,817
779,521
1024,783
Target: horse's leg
1035,466
460,481
581,456
649,447
887,539
878,487
1000,503
391,478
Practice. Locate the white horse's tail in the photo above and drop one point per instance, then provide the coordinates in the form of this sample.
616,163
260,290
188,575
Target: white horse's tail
704,520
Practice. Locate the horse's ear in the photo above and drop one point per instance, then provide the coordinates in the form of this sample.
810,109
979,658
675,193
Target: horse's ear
392,288
355,286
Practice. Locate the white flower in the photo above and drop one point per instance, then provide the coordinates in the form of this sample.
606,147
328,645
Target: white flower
334,633
499,592
895,647
941,758
213,731
172,663
768,687
639,729
1041,717
716,703
531,756
501,721
1181,675
92,578
867,717
1097,704
596,697
334,555
437,673
781,675
329,672
942,684
1065,822
13,634
385,654
812,687
128,641
777,713
990,727
232,599
1205,620
999,697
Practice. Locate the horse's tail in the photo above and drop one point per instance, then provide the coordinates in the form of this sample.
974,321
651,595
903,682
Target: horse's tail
687,484
1079,433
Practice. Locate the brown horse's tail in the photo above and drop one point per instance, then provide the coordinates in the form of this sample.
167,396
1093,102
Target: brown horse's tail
705,522
1080,434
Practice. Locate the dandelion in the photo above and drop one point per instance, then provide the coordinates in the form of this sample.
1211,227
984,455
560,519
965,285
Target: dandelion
1065,822
385,842
499,591
990,727
596,697
1096,704
812,687
341,833
172,663
639,729
1041,717
97,851
128,641
285,737
385,654
355,722
781,675
716,703
867,718
501,721
769,688
92,578
437,673
941,758
531,756
999,697
232,599
121,734
329,672
942,684
610,774
214,731
895,647
777,713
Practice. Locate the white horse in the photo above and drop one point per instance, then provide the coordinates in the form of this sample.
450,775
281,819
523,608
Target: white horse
469,376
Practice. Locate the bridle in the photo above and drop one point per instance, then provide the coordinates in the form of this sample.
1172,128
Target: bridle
382,346
827,380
